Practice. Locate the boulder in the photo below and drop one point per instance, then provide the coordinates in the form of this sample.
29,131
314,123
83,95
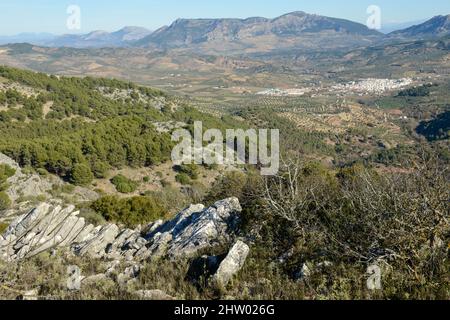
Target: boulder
197,228
232,264
153,295
73,282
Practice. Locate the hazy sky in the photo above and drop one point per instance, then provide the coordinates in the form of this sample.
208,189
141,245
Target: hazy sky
18,16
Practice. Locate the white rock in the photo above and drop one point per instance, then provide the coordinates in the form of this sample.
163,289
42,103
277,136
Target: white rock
232,263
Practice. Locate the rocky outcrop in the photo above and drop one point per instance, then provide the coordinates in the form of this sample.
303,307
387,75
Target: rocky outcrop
24,184
48,227
196,228
31,185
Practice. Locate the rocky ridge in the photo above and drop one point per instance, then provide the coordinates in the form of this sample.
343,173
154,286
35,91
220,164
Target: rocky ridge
49,227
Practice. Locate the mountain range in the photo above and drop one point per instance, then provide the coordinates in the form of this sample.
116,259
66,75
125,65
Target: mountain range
295,30
185,32
95,39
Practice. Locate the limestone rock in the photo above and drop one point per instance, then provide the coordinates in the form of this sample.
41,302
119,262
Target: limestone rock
94,279
303,273
48,227
197,228
153,295
232,263
97,245
73,282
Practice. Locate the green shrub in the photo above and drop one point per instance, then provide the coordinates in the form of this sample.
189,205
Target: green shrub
5,202
231,184
81,175
123,184
3,227
422,91
42,172
92,217
183,179
100,169
6,172
190,170
130,211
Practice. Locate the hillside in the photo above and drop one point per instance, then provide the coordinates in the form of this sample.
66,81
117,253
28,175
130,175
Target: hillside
86,183
438,26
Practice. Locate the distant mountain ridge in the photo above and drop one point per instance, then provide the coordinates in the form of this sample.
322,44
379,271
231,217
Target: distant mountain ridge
292,27
96,39
438,26
295,30
29,37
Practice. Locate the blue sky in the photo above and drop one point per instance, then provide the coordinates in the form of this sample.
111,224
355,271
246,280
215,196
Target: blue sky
18,16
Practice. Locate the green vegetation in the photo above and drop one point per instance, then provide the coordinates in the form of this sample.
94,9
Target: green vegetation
58,147
3,227
130,211
183,179
436,129
5,202
342,201
422,91
190,170
351,218
123,184
81,174
5,173
85,126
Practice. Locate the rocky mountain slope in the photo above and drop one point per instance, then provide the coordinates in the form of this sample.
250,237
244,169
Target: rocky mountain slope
438,26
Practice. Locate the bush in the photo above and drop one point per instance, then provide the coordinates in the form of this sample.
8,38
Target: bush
231,184
123,184
422,91
6,172
183,179
131,211
5,202
92,217
42,172
3,227
190,170
100,169
81,175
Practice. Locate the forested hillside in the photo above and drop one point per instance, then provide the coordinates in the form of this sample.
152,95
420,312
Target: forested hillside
86,125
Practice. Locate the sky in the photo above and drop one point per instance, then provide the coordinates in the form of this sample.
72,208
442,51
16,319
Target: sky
18,16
